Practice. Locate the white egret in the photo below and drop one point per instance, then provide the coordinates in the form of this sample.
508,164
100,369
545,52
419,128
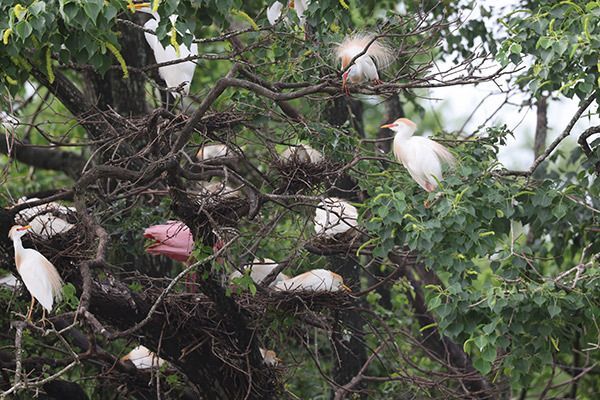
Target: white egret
334,216
302,153
143,358
365,68
47,226
178,75
317,280
422,157
276,9
52,207
9,281
212,151
269,357
38,274
259,270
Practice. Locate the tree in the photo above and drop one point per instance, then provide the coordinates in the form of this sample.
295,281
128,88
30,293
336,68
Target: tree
487,288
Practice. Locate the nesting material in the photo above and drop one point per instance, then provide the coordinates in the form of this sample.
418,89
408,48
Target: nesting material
334,216
143,358
259,270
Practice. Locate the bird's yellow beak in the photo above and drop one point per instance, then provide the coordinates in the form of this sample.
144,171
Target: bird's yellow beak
24,228
346,288
139,6
388,126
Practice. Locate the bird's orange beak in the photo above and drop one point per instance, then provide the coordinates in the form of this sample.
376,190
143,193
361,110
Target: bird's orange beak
346,288
139,6
24,228
388,126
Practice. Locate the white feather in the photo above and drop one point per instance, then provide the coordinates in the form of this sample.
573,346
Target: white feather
274,12
314,280
302,153
47,226
177,74
260,269
143,358
334,216
9,281
356,44
210,151
28,213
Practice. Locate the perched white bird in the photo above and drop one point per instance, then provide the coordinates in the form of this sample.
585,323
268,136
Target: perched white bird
259,270
302,153
334,216
274,12
365,68
269,357
317,280
216,188
9,281
422,157
47,226
39,275
276,9
175,75
53,207
211,151
143,358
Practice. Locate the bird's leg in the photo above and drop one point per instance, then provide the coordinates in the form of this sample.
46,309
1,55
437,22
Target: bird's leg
30,309
43,317
346,89
377,82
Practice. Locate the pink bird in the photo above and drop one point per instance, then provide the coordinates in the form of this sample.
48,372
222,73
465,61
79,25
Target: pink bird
172,239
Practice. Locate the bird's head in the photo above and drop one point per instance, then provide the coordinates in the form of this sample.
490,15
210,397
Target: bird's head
291,4
402,126
338,283
18,231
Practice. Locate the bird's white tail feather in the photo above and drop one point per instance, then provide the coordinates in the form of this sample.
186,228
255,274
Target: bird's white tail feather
56,283
443,154
356,44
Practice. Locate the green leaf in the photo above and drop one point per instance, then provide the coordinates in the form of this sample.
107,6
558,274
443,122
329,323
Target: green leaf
553,310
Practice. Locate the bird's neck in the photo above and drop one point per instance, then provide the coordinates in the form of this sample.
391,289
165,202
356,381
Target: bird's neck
403,134
19,249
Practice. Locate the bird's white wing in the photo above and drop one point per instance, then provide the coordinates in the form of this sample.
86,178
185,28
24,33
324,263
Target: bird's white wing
368,67
34,270
443,153
274,12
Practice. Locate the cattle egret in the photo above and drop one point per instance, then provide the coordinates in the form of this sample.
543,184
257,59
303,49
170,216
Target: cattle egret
47,226
334,216
143,358
212,189
316,280
302,153
422,157
172,239
178,75
211,151
9,281
269,357
38,274
259,270
52,207
276,9
365,68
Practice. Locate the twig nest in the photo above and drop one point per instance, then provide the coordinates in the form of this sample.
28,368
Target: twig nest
317,280
143,358
301,154
225,204
259,270
334,216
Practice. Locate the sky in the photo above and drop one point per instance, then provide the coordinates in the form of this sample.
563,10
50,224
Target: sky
456,103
